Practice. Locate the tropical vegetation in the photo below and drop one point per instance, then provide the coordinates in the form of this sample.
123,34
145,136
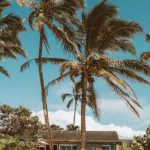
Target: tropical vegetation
92,39
18,123
140,142
18,128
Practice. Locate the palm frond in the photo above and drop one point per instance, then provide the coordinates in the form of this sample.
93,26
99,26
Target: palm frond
116,79
93,101
31,18
3,5
44,60
69,65
123,45
68,43
125,94
56,81
66,95
145,56
95,19
3,71
129,74
44,38
69,103
135,65
148,37
119,93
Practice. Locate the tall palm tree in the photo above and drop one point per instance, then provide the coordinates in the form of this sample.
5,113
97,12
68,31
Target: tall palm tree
10,27
103,33
59,17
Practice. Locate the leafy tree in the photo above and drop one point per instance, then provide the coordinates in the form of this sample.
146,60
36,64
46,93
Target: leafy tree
18,123
101,33
10,27
14,144
140,142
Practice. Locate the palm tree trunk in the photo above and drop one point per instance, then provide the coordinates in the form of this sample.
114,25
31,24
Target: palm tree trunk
83,112
43,94
75,109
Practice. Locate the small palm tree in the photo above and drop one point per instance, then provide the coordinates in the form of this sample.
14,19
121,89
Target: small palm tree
10,27
74,96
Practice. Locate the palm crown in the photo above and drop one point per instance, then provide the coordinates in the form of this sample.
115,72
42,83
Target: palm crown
102,32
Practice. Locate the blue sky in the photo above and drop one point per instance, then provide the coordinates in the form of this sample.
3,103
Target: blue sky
23,88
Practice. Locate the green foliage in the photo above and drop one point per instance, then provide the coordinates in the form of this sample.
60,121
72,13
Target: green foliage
18,122
141,142
11,143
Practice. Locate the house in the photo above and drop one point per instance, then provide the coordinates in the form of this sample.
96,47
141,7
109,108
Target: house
70,140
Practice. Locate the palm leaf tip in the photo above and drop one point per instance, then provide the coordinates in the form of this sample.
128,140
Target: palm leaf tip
69,103
148,37
3,71
25,66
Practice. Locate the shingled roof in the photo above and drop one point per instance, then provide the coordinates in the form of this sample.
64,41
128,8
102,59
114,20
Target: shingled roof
92,136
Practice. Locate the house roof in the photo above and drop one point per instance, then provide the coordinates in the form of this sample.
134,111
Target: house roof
91,136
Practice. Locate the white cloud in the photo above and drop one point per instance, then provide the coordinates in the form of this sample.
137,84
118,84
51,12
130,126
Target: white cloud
63,118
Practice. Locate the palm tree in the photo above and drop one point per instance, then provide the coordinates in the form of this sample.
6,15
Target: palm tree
59,18
10,27
102,33
74,96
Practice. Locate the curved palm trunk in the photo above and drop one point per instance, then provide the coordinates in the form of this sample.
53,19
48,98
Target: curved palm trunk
83,112
75,109
43,94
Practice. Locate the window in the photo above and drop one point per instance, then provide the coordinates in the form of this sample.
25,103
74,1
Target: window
65,147
74,147
68,147
106,147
